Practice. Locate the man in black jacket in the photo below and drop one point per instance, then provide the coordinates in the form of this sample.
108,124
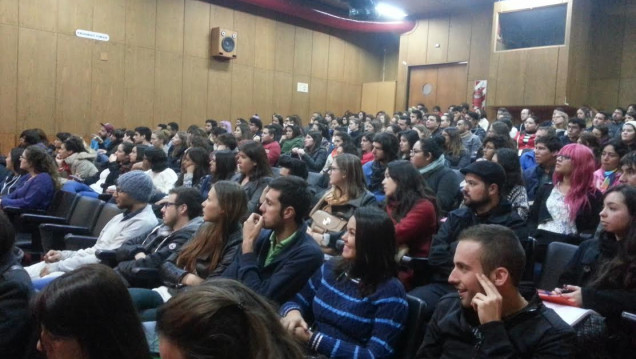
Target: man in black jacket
181,219
488,317
484,205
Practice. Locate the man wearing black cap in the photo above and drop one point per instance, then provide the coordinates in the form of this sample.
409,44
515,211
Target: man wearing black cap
484,204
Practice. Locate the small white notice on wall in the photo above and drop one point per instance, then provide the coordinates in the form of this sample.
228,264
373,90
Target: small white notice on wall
302,87
92,35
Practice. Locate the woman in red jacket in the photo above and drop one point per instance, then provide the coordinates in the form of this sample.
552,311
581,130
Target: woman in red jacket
412,207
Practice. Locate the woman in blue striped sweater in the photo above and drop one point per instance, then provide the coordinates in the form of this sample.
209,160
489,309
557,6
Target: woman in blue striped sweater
354,305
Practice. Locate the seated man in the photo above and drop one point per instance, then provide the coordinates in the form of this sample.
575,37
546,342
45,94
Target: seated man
181,219
277,256
489,317
132,195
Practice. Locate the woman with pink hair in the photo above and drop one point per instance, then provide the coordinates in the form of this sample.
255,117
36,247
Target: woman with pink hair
566,210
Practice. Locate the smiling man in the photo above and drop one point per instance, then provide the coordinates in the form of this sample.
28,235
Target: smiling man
488,317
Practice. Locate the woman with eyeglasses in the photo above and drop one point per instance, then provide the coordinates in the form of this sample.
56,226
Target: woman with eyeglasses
43,179
567,208
17,176
347,193
207,255
609,174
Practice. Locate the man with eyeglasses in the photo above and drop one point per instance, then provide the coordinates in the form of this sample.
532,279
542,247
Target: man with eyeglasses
132,195
181,214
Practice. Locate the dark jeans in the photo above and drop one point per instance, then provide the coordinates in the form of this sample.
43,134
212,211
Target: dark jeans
146,301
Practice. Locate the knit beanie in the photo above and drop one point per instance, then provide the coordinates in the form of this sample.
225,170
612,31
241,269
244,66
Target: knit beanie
136,184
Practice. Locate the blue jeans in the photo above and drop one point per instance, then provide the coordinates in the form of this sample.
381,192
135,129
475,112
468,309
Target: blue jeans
79,188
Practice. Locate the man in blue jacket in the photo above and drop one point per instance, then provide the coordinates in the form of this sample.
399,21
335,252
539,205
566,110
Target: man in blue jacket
277,256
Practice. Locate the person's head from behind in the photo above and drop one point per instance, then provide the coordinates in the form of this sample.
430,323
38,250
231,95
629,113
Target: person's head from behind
155,159
490,250
225,141
290,166
485,181
222,164
546,131
287,201
88,313
222,320
498,128
252,160
369,248
142,134
628,167
183,204
619,212
508,159
133,188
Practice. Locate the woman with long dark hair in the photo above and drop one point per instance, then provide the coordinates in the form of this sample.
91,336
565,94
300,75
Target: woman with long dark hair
412,207
292,138
87,313
407,140
313,154
17,175
514,188
456,156
175,152
353,304
254,172
222,168
207,255
194,167
602,274
609,173
77,162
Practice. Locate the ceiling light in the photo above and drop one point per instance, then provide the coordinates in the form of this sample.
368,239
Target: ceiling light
389,11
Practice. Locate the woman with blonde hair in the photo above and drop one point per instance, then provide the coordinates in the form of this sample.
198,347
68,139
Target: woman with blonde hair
348,193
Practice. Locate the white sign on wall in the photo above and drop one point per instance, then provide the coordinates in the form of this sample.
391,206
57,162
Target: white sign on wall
92,35
302,87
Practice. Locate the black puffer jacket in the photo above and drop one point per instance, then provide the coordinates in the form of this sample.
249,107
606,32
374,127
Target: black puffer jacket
534,332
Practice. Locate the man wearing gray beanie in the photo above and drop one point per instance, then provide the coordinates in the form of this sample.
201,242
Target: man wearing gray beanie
131,195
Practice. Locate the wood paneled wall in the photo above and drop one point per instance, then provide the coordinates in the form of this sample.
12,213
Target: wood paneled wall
613,54
454,38
156,66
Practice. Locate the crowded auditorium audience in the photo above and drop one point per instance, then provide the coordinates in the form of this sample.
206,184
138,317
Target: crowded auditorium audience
322,221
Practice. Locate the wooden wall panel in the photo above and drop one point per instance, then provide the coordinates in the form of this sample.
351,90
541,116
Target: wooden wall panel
168,87
141,18
244,26
561,74
608,33
478,65
386,96
110,17
335,69
371,68
285,35
221,17
196,32
169,27
450,85
300,100
402,74
139,86
417,41
540,84
73,15
627,92
263,94
369,99
9,76
437,46
351,65
318,95
351,96
335,96
459,34
242,91
36,79
9,12
194,100
73,104
282,92
303,45
265,44
320,55
604,93
419,78
628,62
219,90
108,88
511,78
7,142
38,14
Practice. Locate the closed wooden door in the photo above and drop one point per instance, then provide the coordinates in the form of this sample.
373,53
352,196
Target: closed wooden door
441,85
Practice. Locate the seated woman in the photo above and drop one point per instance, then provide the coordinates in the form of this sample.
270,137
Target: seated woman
412,208
137,157
43,179
77,162
87,313
353,305
366,147
514,189
207,255
194,167
567,207
456,156
609,173
313,154
525,139
159,139
225,319
156,163
254,172
176,150
347,194
491,145
17,175
407,140
222,168
292,138
601,276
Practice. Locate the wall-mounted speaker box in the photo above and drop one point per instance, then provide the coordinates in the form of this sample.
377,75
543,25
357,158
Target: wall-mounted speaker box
223,43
